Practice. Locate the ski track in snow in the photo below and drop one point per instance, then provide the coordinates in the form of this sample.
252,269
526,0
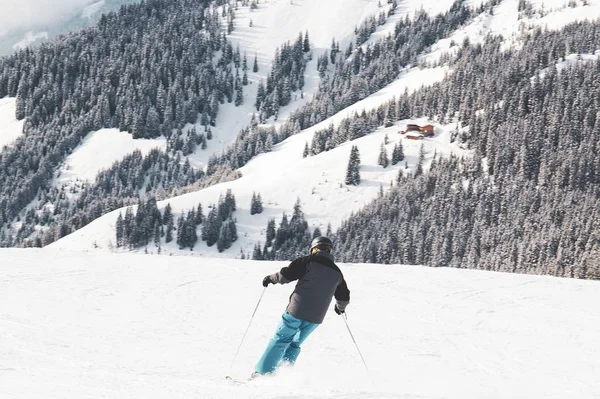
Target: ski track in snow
91,325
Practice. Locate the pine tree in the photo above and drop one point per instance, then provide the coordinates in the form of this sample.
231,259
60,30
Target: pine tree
316,233
306,150
191,236
257,253
199,215
119,228
260,96
239,93
383,157
353,170
211,227
157,227
421,161
169,233
256,204
223,240
306,44
227,235
167,214
259,205
397,153
255,65
181,239
253,204
229,202
270,236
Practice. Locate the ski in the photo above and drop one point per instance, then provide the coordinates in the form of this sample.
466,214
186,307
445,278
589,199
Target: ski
235,381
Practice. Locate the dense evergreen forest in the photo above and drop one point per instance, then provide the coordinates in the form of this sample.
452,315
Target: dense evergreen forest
149,226
138,71
527,201
149,69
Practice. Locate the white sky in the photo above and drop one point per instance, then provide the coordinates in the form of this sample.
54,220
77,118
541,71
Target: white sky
20,13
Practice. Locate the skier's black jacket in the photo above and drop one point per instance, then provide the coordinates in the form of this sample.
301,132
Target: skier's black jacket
319,280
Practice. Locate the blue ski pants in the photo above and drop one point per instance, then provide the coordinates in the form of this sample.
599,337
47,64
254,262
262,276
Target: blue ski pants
285,345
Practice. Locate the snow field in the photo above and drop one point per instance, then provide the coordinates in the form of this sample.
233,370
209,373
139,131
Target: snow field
76,325
10,127
98,151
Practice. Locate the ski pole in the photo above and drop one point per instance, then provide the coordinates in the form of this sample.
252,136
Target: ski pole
247,328
355,344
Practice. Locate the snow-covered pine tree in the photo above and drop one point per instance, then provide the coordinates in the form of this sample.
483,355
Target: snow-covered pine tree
383,159
397,153
353,169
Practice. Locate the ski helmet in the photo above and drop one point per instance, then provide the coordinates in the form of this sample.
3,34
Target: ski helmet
322,243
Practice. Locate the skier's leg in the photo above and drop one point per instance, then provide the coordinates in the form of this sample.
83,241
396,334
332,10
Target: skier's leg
292,352
286,330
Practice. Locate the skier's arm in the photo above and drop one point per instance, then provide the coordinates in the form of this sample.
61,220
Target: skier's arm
290,273
342,296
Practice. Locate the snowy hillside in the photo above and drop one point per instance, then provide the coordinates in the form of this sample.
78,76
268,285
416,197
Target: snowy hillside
268,33
10,128
98,151
28,22
283,176
317,181
78,325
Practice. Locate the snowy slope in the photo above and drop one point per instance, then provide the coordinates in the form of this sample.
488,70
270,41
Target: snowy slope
132,326
507,21
282,176
10,127
278,21
266,34
274,23
99,150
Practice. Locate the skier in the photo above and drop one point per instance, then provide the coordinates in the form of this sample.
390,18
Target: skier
319,280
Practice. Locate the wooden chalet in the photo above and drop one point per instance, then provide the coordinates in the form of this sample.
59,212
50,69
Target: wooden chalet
414,135
426,131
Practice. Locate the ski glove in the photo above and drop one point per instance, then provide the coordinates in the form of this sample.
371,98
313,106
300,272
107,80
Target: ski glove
266,281
338,310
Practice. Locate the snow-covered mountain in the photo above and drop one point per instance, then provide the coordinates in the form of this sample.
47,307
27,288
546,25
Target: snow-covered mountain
283,176
122,325
29,22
